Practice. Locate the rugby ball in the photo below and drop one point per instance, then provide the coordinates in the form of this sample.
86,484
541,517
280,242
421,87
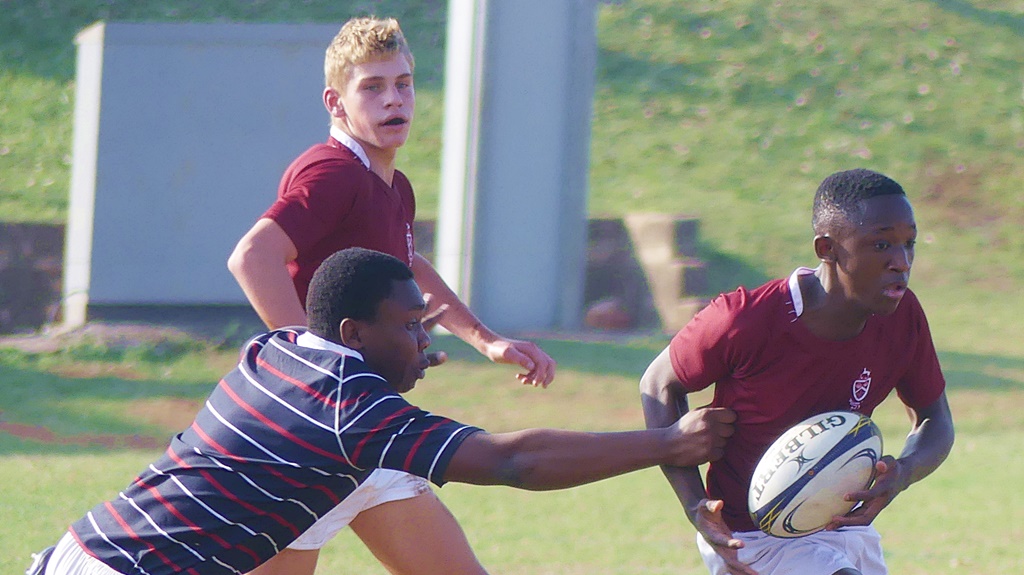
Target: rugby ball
799,483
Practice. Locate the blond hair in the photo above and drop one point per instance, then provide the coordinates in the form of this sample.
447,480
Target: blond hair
363,40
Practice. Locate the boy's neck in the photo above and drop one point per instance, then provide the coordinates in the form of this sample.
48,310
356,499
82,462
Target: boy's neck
380,161
827,313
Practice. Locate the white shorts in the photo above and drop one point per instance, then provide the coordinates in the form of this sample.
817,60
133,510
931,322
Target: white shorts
824,552
382,486
70,559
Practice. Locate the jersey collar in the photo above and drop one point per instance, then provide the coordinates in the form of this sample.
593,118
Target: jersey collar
307,339
794,289
350,143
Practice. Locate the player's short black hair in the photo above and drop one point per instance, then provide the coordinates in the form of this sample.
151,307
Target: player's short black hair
350,283
840,197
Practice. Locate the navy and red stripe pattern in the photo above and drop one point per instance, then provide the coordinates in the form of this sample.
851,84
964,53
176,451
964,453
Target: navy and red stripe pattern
282,439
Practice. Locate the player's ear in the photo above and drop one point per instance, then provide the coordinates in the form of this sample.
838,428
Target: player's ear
824,248
349,330
332,101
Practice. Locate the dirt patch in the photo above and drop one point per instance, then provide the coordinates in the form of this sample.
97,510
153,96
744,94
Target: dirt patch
173,414
168,413
108,440
94,370
109,335
955,192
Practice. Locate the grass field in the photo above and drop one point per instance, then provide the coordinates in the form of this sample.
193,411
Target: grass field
956,521
728,111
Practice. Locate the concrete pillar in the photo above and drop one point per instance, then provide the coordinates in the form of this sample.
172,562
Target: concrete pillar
515,164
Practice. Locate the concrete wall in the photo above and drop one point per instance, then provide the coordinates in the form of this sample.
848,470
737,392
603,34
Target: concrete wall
181,134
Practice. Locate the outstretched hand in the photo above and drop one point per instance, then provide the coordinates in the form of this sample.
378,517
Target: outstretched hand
539,367
711,525
889,482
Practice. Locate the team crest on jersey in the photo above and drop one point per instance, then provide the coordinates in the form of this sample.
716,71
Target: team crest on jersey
861,386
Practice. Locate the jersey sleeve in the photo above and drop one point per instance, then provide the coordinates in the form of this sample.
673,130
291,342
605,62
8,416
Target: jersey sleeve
923,382
386,431
315,201
700,351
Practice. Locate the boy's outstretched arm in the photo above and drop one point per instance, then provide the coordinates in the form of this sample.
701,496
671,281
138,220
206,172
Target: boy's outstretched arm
460,320
542,459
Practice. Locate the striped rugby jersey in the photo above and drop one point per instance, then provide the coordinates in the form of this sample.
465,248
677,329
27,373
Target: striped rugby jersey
284,437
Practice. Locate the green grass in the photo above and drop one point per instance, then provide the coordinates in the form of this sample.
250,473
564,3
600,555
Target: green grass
625,525
732,112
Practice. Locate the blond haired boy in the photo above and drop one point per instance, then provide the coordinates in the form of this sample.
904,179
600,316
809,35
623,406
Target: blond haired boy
345,193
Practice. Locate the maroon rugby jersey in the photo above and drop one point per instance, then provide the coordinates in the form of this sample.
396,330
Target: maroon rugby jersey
283,438
770,369
328,201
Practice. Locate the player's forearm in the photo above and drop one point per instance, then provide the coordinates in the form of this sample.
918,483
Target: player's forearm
277,306
688,486
686,482
458,318
545,459
463,324
929,442
663,401
269,289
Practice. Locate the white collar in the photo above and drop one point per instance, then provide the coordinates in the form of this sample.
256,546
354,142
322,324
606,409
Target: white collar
794,289
307,339
350,143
